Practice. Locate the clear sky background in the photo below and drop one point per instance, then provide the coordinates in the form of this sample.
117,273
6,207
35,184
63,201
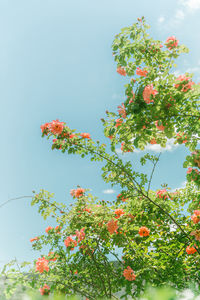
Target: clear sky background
56,63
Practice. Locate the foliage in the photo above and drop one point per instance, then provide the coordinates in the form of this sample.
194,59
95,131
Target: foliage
102,249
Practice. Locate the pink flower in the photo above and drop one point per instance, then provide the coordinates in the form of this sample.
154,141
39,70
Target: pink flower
171,42
77,193
148,91
121,71
141,72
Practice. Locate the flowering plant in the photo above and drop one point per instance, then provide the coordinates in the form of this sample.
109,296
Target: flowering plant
100,248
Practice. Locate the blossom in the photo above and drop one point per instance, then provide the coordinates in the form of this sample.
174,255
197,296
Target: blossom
181,137
144,231
122,110
85,135
55,257
141,72
42,264
57,229
153,141
48,228
184,82
45,128
122,148
122,198
119,212
190,250
118,122
80,235
112,226
73,135
56,127
189,170
171,42
129,274
196,216
196,233
87,209
159,127
34,239
45,290
162,194
121,71
148,91
77,193
69,242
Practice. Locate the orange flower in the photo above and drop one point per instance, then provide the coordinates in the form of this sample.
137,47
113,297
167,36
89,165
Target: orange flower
184,82
141,72
162,194
153,141
144,231
129,274
190,250
159,127
85,135
122,110
196,217
112,226
45,128
48,228
118,122
45,290
69,242
34,239
171,42
196,233
148,91
121,71
119,212
80,235
51,253
122,198
77,193
57,229
42,264
56,127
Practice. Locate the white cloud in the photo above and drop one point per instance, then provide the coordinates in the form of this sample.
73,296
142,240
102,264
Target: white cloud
161,19
180,15
182,186
108,191
116,96
184,8
192,5
170,146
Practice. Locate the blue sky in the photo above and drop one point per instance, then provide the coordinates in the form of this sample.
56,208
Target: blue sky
56,63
